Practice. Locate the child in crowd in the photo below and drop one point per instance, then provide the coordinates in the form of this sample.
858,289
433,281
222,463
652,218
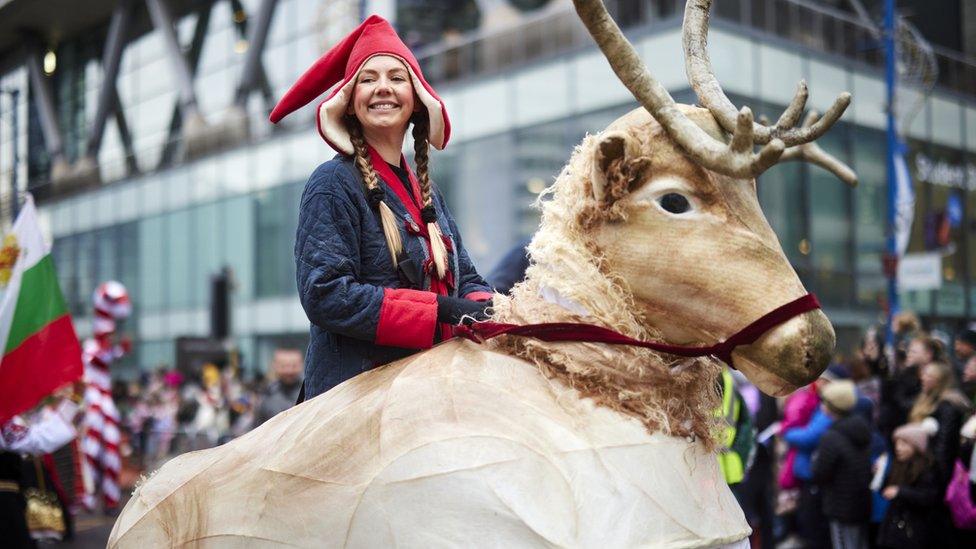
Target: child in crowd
912,488
842,467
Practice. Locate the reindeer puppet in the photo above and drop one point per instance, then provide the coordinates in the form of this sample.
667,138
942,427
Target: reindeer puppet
653,231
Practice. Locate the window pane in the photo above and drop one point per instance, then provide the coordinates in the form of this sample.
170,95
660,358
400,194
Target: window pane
540,152
781,199
152,261
207,256
153,354
106,245
86,272
178,282
63,252
276,213
486,167
870,199
830,221
237,223
128,261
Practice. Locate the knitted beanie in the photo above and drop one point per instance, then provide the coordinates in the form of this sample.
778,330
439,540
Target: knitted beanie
840,396
917,434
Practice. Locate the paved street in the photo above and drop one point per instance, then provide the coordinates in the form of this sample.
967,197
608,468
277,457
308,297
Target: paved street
91,531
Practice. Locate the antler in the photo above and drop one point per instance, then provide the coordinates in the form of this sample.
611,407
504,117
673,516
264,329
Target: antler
811,152
694,33
735,159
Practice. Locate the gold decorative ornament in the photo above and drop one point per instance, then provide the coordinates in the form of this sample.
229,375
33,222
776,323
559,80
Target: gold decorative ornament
45,519
8,258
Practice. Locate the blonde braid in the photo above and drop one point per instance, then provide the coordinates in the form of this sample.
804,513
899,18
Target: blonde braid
421,148
375,193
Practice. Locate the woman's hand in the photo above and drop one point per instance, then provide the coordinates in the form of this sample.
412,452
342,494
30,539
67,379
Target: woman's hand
454,310
890,492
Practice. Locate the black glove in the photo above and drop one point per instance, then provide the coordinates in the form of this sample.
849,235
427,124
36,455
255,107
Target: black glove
451,310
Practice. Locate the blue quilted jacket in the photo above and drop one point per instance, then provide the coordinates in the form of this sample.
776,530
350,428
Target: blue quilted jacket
363,311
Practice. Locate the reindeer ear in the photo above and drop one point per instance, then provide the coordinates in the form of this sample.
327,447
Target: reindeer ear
616,161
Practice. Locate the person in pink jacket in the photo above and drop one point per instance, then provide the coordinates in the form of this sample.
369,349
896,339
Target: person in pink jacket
797,412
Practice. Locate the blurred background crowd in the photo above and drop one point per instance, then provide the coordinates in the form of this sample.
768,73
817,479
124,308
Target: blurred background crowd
140,127
876,453
165,413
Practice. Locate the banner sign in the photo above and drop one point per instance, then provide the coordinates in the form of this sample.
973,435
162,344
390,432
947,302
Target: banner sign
921,271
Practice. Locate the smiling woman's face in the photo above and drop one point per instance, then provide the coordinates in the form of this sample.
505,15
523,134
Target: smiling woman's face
383,97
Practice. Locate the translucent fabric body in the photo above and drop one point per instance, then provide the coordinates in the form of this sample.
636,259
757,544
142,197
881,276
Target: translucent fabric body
458,446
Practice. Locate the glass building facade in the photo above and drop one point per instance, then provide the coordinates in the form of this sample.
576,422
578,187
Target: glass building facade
165,230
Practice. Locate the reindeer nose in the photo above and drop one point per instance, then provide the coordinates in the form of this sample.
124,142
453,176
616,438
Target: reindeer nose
820,344
790,355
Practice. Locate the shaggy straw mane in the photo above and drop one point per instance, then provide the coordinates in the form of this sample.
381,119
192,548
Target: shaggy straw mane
568,280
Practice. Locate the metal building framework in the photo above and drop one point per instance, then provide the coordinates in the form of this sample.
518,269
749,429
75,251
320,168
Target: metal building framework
188,126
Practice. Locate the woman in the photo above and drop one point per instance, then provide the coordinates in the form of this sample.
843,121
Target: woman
869,367
381,268
941,401
901,389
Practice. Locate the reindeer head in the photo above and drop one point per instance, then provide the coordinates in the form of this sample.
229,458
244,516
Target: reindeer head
675,214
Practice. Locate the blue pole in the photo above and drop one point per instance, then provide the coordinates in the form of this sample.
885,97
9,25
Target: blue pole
893,150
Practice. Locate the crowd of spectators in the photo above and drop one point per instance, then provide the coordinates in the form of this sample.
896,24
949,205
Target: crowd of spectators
165,413
878,452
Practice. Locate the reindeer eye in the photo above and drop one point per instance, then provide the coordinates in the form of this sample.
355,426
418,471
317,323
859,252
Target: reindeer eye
674,203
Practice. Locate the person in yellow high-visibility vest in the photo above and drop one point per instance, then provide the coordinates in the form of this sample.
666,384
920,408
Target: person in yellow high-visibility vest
738,441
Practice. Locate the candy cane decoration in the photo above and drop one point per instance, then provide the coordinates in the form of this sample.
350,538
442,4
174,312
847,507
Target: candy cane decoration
100,444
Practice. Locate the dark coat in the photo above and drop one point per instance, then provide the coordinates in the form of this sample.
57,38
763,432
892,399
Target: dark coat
345,277
898,394
842,468
945,445
908,522
510,270
945,442
276,399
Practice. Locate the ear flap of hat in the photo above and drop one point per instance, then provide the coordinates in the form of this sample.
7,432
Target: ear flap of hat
332,111
330,121
440,125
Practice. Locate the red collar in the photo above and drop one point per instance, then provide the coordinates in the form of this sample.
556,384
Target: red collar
567,331
394,184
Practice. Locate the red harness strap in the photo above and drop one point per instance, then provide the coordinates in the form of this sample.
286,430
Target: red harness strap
588,333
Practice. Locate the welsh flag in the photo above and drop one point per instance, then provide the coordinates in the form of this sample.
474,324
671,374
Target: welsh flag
40,348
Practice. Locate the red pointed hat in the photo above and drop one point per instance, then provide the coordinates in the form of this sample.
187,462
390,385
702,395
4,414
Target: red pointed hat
341,64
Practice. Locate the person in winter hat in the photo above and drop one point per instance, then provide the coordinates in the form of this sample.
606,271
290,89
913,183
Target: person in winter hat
805,439
842,467
381,268
912,487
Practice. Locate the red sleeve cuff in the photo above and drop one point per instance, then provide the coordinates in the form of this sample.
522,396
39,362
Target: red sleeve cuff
407,319
479,296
